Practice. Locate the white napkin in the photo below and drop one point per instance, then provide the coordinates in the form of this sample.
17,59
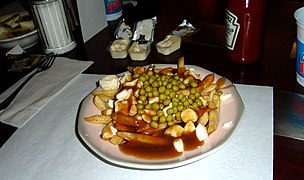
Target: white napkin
47,147
38,91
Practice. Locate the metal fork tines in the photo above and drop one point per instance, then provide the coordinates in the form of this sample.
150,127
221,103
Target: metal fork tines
46,64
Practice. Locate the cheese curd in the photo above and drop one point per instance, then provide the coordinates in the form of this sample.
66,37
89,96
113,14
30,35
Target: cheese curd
109,82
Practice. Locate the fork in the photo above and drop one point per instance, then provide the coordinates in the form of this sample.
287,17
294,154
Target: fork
46,64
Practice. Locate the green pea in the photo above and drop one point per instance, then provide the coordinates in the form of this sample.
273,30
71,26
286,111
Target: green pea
148,106
161,89
172,94
195,105
136,75
155,106
169,118
197,94
145,102
167,92
151,80
166,102
193,90
180,107
199,102
154,118
146,76
182,86
192,96
178,115
155,84
150,94
169,85
175,110
162,119
146,84
142,98
149,89
162,97
142,78
184,99
163,77
219,93
186,103
154,124
175,99
190,101
141,111
161,106
180,96
156,71
140,106
193,84
150,73
175,88
170,111
174,82
160,113
174,103
142,91
155,93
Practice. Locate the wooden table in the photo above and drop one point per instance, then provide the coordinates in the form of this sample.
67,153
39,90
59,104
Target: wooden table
206,49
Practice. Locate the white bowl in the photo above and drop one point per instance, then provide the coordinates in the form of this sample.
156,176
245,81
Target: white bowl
25,41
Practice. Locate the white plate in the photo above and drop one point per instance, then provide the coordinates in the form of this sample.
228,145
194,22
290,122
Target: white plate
25,41
231,111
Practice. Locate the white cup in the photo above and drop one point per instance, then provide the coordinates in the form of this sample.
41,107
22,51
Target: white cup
299,16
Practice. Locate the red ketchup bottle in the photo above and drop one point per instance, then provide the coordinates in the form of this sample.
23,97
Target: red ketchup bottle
245,29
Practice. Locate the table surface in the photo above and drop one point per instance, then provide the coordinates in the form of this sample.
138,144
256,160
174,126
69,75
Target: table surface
205,49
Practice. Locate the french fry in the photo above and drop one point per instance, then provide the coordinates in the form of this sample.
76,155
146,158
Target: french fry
217,101
98,119
108,111
220,82
126,120
116,140
213,121
204,118
100,104
110,93
181,66
166,70
205,82
153,140
123,127
108,132
209,88
105,98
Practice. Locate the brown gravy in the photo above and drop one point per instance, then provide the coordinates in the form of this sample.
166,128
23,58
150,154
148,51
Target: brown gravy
151,152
